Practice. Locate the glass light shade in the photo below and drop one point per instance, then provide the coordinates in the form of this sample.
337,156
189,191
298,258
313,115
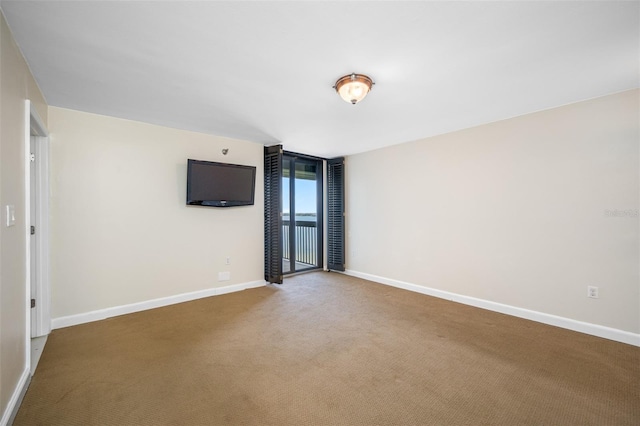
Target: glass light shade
353,87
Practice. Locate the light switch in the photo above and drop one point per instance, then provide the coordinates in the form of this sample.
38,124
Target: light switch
11,215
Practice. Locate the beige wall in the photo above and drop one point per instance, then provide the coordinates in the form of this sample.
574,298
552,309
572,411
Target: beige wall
16,85
513,212
120,229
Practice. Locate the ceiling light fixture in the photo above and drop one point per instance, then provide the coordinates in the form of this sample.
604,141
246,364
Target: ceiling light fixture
353,87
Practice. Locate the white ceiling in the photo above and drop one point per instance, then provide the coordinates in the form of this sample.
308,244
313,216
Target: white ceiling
263,71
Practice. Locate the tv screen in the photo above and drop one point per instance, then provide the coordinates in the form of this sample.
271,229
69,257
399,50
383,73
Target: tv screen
220,184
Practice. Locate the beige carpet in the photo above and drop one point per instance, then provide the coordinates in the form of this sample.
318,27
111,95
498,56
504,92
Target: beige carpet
327,349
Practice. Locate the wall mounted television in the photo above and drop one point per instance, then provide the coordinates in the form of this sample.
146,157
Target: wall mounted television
214,184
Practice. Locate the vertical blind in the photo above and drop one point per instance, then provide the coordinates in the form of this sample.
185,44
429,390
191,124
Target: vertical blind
273,231
272,217
335,214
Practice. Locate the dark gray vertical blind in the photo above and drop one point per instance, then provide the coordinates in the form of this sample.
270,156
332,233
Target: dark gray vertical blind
335,214
272,218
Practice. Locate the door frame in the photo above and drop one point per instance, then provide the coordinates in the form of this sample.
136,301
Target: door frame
320,189
38,321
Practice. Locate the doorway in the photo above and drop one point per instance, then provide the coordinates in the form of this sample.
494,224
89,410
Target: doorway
37,220
301,209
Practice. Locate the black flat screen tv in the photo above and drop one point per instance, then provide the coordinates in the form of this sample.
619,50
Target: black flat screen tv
214,184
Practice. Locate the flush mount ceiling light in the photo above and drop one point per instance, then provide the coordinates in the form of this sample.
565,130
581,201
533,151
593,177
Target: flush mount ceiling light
353,87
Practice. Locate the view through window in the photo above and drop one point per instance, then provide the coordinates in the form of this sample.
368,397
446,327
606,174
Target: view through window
301,214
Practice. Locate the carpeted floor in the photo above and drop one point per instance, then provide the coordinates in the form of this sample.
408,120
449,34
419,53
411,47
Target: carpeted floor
328,349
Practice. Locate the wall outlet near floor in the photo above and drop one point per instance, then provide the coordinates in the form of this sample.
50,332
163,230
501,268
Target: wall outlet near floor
224,276
227,261
592,292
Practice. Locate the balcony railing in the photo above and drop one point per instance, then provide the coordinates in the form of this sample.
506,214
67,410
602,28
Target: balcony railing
306,241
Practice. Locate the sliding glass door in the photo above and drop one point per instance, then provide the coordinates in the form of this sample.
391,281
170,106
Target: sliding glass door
301,213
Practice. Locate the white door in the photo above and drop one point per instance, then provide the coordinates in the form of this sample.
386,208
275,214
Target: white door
37,220
33,240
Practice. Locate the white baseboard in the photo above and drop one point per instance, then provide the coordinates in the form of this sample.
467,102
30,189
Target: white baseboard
16,399
101,314
570,324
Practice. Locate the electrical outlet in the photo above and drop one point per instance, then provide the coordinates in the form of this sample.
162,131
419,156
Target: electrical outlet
227,261
592,292
224,276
